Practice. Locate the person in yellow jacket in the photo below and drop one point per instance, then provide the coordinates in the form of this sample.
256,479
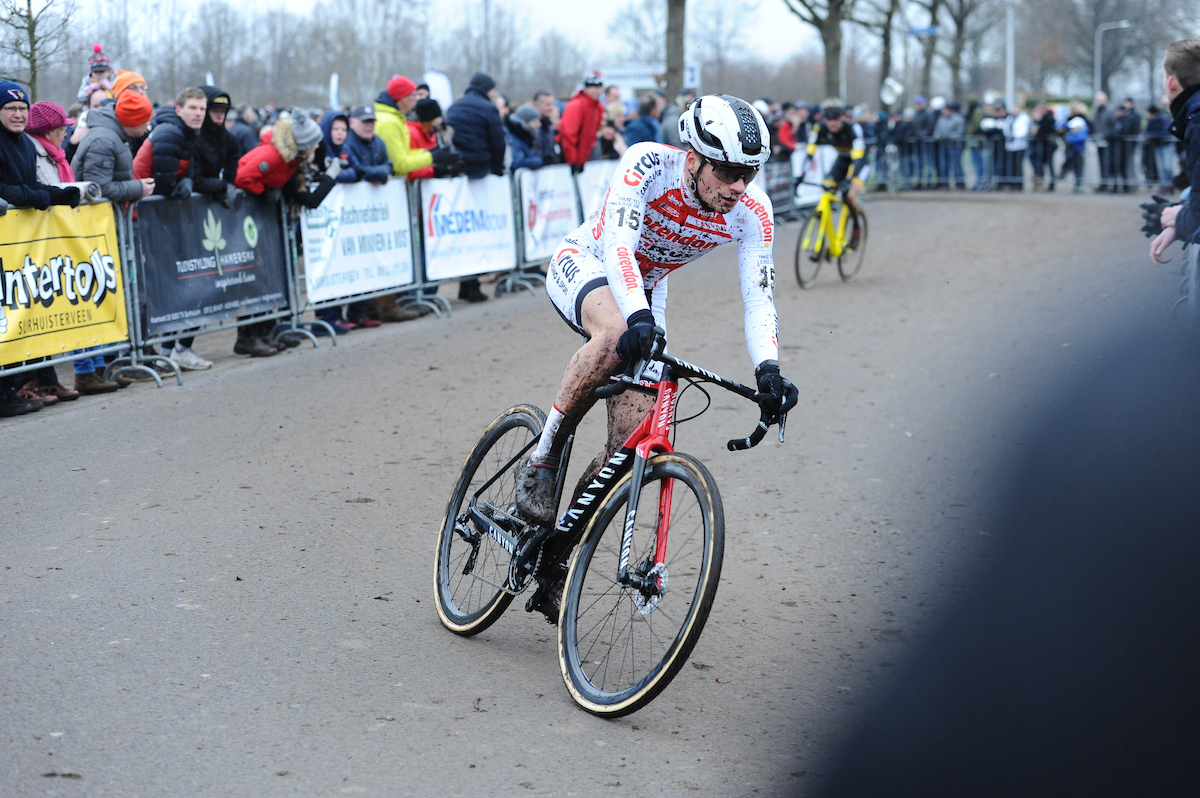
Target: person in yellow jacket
392,107
391,127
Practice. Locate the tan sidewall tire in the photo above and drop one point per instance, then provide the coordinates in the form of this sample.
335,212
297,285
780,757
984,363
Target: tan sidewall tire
502,599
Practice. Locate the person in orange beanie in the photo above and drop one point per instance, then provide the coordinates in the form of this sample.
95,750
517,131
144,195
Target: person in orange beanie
106,155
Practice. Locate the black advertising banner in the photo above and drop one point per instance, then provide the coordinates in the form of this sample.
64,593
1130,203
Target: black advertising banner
203,263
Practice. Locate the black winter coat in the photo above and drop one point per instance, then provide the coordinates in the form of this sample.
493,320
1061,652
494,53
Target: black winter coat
478,133
171,142
18,176
247,139
216,159
1186,126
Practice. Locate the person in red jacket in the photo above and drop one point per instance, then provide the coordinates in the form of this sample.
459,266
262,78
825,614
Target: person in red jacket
581,122
428,133
279,167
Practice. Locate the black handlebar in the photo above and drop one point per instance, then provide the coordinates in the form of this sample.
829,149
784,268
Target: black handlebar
632,378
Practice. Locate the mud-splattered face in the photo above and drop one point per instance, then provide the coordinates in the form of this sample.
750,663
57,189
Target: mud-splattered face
711,190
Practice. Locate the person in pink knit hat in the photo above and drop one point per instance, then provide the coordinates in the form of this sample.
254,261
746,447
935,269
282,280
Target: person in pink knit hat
48,127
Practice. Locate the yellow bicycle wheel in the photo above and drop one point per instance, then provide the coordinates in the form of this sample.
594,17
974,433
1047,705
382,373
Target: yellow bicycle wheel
810,250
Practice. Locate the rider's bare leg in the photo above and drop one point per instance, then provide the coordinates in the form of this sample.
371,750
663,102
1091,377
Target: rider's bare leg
590,368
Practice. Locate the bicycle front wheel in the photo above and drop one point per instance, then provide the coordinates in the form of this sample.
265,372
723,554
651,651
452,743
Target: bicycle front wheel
471,567
810,250
619,645
851,260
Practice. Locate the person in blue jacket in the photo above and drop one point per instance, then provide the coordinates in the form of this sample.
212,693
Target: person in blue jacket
368,153
478,131
644,127
521,131
1077,136
479,138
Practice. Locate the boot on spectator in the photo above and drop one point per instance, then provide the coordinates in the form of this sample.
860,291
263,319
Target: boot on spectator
390,311
92,383
59,391
469,291
249,343
30,392
11,404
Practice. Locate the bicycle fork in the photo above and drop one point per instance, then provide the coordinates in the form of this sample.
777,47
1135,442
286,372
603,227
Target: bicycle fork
651,581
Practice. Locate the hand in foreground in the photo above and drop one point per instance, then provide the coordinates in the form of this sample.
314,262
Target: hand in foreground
1160,244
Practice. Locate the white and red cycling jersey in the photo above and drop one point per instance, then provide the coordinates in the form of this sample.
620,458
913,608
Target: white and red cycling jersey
647,226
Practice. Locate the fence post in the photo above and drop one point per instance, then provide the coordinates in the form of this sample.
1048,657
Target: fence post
129,255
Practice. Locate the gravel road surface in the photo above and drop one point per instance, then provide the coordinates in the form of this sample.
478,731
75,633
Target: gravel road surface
225,588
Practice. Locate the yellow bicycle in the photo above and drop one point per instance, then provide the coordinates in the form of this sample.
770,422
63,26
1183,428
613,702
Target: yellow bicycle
827,234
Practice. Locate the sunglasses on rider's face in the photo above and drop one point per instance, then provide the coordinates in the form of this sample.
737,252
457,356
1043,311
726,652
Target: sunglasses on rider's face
729,175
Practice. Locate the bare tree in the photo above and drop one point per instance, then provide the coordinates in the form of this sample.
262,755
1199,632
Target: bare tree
676,22
716,31
36,33
966,16
559,64
641,27
827,17
929,42
879,17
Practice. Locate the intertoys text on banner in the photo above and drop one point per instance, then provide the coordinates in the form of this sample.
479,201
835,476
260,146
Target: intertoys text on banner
467,226
203,263
357,241
549,209
60,280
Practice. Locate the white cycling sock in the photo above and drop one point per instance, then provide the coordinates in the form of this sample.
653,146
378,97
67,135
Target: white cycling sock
559,427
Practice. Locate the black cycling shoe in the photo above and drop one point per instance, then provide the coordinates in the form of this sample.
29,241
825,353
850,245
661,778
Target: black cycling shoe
535,493
855,236
547,599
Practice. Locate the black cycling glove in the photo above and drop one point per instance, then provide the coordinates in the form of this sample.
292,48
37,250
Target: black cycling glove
1152,214
636,341
778,393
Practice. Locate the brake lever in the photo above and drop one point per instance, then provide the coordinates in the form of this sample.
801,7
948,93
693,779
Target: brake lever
782,424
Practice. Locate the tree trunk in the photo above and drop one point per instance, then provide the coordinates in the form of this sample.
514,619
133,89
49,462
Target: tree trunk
676,17
929,47
31,30
955,63
885,58
831,35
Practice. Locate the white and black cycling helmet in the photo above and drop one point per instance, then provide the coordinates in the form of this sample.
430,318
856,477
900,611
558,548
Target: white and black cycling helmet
727,130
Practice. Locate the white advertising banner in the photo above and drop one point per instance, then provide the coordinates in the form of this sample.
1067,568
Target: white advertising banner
593,182
549,209
467,226
357,241
812,172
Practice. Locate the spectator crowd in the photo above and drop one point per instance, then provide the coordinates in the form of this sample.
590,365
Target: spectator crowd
927,145
203,142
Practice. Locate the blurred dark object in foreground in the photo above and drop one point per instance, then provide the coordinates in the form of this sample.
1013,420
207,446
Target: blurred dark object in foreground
1072,665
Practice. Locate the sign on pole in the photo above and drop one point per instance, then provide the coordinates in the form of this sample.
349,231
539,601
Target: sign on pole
467,226
357,241
60,282
593,183
549,209
204,263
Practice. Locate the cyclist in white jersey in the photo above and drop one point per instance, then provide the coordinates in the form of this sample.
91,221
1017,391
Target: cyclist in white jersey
608,280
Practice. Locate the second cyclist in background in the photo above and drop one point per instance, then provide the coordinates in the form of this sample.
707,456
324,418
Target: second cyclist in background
836,130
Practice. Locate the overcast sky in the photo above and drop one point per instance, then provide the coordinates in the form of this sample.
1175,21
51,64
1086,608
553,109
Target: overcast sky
773,32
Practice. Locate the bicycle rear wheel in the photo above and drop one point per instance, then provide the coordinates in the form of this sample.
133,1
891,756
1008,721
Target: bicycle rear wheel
850,261
471,567
810,253
620,646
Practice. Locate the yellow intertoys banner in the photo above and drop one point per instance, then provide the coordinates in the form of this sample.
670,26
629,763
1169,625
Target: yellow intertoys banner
60,282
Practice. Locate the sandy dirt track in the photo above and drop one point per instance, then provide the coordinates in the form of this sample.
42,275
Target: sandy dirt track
225,588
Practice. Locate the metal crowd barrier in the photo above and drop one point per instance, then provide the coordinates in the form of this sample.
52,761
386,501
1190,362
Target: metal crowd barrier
983,163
